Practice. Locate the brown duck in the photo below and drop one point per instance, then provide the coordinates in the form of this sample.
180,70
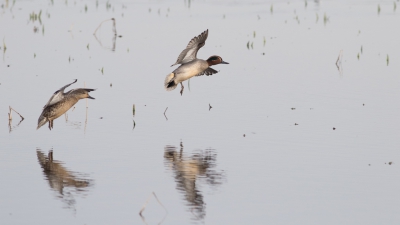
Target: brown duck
60,103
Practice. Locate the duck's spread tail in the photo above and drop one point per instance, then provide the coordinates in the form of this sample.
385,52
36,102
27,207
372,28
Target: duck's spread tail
169,82
42,121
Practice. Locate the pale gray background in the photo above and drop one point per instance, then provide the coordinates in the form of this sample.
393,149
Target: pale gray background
279,173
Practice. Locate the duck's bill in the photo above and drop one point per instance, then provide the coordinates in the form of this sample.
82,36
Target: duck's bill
223,62
90,97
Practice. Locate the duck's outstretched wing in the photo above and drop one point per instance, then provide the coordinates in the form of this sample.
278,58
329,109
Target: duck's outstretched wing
209,71
58,95
192,48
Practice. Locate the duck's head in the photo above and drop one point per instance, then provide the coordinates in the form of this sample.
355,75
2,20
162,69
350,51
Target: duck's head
214,60
83,93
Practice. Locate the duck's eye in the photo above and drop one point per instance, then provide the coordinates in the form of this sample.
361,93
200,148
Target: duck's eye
213,58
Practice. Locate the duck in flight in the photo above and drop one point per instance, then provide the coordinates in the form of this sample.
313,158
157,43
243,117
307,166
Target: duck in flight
190,65
61,102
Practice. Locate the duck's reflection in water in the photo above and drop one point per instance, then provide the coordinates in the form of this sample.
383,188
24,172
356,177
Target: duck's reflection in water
67,184
192,170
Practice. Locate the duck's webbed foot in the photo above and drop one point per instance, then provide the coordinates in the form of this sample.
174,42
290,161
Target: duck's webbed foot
182,88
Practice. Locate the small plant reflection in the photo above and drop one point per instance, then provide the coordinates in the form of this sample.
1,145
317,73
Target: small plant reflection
339,62
65,183
144,207
10,127
190,171
113,37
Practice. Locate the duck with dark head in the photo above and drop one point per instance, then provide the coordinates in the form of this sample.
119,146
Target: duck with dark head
190,65
215,60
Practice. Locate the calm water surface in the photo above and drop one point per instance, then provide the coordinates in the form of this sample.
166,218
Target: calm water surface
290,139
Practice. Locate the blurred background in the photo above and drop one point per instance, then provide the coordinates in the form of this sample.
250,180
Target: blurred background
302,127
